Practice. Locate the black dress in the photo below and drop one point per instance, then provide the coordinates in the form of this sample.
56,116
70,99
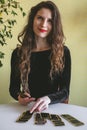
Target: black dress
40,83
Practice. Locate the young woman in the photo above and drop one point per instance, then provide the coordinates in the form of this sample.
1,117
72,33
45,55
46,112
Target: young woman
41,66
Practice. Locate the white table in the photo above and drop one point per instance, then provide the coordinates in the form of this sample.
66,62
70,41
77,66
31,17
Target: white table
10,112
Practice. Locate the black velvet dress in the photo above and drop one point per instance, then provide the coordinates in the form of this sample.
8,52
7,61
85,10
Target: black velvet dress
40,84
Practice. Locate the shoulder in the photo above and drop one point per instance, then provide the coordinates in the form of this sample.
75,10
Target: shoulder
15,54
15,51
67,56
66,50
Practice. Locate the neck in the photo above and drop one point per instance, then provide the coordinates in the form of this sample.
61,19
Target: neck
41,44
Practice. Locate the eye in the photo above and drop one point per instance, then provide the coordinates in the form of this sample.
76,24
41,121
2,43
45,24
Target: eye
50,21
39,18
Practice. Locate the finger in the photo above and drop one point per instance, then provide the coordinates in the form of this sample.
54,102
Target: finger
35,105
42,108
27,94
31,99
28,100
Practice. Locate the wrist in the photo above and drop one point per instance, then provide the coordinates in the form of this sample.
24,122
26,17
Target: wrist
48,99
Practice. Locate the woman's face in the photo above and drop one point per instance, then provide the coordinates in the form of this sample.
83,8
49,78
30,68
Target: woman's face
42,24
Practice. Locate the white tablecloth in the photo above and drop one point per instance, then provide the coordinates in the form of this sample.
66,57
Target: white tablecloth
10,112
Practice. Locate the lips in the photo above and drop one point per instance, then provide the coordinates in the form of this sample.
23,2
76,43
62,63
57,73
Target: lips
43,30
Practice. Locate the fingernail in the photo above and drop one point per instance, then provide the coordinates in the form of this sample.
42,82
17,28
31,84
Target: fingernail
30,111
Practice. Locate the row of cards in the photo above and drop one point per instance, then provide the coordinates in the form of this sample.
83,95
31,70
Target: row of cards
41,118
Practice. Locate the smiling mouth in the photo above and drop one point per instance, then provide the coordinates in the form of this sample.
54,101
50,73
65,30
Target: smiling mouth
43,30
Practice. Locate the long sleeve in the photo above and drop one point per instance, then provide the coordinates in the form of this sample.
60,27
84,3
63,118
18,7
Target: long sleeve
64,81
14,87
39,82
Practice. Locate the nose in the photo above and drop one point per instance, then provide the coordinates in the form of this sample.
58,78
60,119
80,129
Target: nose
44,23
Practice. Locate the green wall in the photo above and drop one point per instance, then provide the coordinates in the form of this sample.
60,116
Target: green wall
74,19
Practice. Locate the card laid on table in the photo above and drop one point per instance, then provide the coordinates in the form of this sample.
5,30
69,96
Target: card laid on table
25,116
72,120
39,120
45,115
57,121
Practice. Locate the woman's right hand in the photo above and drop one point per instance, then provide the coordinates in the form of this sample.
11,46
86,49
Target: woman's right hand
25,100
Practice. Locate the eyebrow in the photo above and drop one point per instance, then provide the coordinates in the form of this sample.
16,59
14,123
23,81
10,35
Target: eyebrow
43,16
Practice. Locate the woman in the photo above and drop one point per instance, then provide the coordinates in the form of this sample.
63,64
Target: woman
42,64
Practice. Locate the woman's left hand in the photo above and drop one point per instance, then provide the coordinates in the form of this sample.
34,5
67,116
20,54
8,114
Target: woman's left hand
41,104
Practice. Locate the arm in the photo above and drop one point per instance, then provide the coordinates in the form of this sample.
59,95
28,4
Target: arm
62,94
64,81
14,87
15,81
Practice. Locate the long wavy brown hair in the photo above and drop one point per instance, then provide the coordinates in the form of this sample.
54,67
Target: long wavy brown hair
55,39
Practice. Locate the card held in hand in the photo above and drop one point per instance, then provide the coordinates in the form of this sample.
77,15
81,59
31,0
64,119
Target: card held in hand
72,120
25,116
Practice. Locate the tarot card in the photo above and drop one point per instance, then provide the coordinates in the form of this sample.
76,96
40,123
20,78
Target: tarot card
57,121
45,115
72,120
39,119
25,116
